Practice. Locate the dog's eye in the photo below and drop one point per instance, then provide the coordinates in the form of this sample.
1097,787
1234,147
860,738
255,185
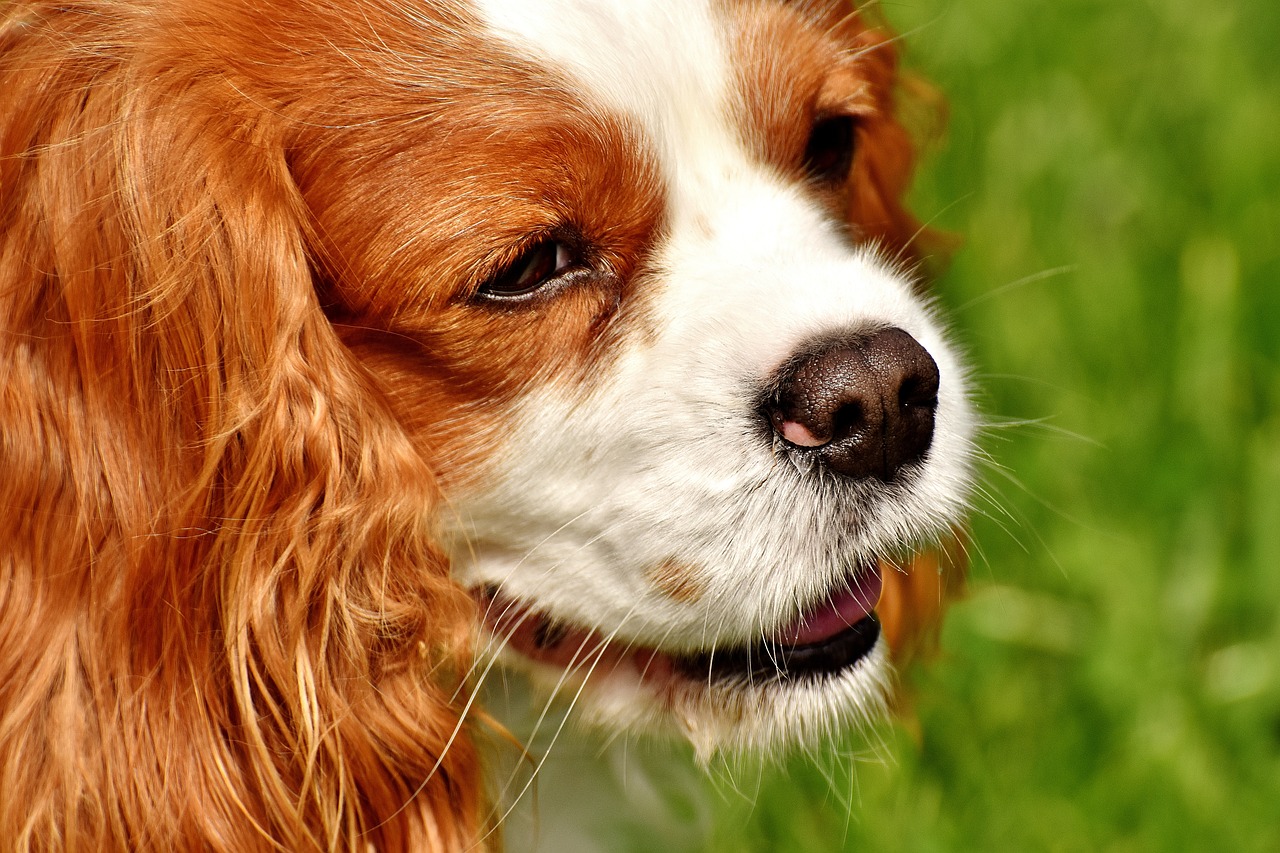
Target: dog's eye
540,264
828,155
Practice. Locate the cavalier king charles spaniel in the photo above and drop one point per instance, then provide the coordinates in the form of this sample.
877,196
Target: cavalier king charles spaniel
348,349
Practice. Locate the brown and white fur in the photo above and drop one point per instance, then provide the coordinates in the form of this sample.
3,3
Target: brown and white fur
347,345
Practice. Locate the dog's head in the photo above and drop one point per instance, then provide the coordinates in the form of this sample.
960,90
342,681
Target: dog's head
604,310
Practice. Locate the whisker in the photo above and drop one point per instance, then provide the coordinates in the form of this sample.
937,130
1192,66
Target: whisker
988,295
598,652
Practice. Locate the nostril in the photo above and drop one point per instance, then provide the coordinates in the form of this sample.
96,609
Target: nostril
918,393
848,421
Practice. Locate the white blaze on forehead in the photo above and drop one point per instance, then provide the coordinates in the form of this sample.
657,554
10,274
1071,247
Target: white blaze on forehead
662,63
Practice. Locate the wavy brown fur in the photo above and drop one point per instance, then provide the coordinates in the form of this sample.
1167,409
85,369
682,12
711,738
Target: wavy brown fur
223,621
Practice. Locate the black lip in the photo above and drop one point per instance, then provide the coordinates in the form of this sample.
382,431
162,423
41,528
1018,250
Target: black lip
773,661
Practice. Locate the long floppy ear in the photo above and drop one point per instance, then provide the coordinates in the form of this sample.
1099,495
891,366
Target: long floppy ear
223,620
916,595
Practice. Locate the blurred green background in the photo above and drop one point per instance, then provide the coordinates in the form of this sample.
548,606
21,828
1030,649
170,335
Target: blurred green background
1112,681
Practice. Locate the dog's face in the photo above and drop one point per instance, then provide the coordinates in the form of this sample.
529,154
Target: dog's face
643,308
333,333
630,280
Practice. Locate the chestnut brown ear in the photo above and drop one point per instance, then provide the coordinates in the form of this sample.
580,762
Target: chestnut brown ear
915,597
223,618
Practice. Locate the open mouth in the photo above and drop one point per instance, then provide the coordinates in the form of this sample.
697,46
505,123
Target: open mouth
827,637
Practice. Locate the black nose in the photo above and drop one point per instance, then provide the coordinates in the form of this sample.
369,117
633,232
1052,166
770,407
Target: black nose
863,406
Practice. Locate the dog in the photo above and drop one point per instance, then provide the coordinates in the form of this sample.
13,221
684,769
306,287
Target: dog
350,348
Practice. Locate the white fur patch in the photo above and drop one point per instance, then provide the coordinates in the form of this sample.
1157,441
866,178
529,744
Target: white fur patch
665,458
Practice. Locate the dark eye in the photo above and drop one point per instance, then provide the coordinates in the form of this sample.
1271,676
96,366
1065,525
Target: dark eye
829,154
537,266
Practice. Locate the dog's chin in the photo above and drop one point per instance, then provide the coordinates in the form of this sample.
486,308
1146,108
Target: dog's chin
823,670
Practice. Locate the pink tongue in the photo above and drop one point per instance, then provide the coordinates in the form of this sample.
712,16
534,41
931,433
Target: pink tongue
845,608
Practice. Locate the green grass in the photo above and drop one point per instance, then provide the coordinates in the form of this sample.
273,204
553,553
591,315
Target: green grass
1112,681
